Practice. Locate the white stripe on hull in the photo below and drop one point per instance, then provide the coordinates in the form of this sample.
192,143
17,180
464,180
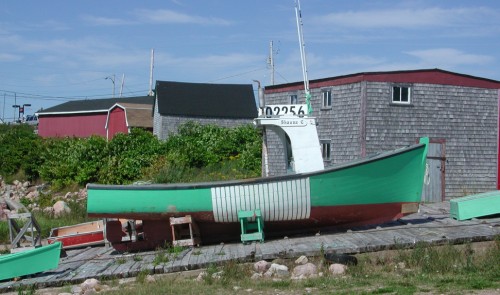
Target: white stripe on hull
278,201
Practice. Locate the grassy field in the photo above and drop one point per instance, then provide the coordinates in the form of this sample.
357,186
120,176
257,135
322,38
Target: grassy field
449,269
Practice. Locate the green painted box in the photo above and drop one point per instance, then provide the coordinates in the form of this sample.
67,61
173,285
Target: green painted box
478,205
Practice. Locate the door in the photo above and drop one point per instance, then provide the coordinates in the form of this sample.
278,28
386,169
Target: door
434,179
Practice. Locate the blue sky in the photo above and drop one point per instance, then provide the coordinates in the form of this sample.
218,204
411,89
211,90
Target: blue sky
55,51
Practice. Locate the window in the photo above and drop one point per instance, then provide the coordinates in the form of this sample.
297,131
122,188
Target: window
293,99
401,94
325,149
327,98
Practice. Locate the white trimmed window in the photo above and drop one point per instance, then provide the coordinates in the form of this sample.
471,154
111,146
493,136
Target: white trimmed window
294,99
326,99
326,149
401,94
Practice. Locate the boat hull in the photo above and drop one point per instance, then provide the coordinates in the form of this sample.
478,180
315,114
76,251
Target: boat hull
372,190
30,261
79,235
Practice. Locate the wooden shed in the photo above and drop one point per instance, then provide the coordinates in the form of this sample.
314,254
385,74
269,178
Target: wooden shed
124,116
226,105
82,118
366,113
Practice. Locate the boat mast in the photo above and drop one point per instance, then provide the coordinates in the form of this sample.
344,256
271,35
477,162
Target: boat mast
298,15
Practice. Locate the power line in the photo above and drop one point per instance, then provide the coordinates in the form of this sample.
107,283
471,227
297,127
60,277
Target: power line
236,75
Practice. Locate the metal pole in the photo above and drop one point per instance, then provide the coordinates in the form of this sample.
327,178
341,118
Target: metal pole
15,103
271,61
151,72
298,15
3,112
121,87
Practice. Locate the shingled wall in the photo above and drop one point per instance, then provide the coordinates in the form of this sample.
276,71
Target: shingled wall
363,121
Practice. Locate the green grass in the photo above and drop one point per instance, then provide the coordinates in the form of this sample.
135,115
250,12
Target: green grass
448,269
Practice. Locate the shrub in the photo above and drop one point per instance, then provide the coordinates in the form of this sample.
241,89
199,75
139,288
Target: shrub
19,148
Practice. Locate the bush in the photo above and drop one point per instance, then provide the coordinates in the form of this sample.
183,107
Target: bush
204,145
197,152
19,150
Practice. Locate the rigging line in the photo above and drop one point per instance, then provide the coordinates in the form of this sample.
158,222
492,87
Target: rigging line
236,75
46,97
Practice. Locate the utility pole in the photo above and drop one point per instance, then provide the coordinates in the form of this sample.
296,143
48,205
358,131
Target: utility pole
271,61
15,106
123,82
3,112
151,72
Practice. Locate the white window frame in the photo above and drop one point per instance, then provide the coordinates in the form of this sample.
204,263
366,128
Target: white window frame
399,100
326,149
326,98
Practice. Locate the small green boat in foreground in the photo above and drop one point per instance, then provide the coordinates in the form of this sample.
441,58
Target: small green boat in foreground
30,261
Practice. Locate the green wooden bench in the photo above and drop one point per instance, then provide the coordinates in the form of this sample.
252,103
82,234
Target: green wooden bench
252,225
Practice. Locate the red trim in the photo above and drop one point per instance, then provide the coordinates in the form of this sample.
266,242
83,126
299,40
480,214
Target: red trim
430,76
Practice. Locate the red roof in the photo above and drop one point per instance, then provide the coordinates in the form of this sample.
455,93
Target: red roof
427,76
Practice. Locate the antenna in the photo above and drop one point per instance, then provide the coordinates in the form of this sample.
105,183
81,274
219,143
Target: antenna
151,72
298,15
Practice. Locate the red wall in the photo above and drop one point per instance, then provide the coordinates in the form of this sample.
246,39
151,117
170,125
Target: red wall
77,125
116,123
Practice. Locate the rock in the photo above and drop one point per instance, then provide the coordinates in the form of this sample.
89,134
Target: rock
32,195
305,270
278,270
48,210
60,207
201,276
26,184
90,284
76,289
261,266
256,276
150,279
302,260
218,275
337,269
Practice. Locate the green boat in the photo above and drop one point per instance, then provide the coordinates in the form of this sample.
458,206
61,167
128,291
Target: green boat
30,261
372,190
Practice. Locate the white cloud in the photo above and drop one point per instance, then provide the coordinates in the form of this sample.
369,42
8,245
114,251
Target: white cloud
105,21
449,57
408,18
7,57
165,16
356,60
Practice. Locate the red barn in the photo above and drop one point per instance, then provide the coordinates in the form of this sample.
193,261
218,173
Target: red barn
123,116
83,118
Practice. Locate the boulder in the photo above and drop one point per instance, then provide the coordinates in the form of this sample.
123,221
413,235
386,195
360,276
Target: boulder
261,266
60,207
90,284
337,269
305,270
277,270
302,260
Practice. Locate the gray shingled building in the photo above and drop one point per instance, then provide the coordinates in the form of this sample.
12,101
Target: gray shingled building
366,113
226,105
